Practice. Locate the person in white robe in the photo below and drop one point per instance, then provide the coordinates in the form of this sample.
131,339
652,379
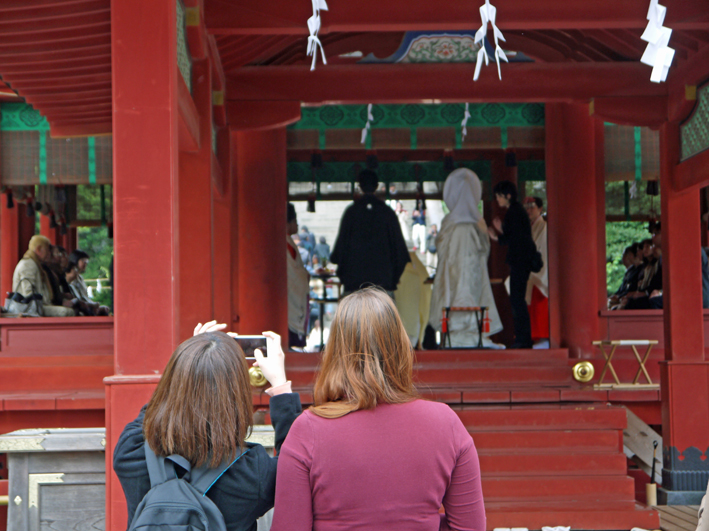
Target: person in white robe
462,279
298,286
538,284
413,299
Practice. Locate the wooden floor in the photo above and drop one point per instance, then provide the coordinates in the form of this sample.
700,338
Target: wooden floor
678,517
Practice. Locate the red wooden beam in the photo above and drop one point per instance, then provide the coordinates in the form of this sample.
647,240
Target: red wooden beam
188,124
245,17
411,83
692,174
260,115
647,111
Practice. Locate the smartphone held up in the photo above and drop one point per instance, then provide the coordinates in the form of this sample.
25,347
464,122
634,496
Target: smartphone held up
250,343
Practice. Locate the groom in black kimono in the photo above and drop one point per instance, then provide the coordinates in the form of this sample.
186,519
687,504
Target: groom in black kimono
370,248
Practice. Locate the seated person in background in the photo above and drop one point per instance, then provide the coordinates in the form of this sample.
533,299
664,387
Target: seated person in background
462,278
649,293
79,259
55,274
632,260
31,277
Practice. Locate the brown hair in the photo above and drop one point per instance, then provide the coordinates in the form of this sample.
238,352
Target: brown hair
202,407
368,358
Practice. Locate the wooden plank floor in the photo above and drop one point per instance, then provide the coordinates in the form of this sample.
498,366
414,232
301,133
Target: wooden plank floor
678,517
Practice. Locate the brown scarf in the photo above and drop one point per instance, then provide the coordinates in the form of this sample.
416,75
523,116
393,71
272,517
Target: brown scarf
30,255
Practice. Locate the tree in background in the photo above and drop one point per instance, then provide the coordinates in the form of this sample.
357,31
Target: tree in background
620,234
95,240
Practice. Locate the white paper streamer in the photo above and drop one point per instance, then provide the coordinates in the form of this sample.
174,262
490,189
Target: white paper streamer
314,27
488,12
368,125
658,54
466,117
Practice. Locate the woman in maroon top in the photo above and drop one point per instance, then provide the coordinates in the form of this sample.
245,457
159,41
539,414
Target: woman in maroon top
369,454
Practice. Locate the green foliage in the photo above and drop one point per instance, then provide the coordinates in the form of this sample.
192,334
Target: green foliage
95,240
619,235
639,203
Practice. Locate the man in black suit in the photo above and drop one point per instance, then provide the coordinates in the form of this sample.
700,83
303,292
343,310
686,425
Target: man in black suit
516,232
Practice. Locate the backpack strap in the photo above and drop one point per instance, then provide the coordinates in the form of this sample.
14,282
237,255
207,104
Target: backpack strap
204,478
160,469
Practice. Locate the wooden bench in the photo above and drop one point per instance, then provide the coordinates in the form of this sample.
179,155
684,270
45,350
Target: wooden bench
633,344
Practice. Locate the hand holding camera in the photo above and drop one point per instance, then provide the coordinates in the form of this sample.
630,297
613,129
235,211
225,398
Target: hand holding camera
271,362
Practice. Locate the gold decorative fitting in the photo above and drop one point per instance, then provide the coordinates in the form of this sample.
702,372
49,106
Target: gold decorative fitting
690,92
192,16
256,377
584,371
217,97
591,107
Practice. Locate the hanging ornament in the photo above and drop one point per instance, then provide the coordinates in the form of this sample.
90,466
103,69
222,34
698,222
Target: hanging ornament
368,125
488,12
658,54
466,117
633,190
314,27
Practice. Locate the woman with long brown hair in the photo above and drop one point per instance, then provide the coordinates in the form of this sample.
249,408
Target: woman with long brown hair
201,410
370,454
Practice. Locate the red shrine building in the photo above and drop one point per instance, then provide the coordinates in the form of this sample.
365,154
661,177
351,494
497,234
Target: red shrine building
199,114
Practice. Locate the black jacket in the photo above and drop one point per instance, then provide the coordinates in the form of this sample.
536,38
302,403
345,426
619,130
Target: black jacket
243,494
517,235
630,280
370,248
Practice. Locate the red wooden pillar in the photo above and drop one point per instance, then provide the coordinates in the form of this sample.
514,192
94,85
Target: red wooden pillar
222,230
685,383
9,245
602,291
573,195
195,212
46,230
146,209
261,197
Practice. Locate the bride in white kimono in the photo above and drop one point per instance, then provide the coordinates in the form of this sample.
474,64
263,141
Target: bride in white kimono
462,278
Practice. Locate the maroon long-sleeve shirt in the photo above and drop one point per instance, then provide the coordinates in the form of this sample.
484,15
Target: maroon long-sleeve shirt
386,469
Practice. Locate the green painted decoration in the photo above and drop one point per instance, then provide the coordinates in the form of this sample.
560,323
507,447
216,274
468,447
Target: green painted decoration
184,59
694,133
638,153
343,172
21,117
42,158
531,170
421,115
92,160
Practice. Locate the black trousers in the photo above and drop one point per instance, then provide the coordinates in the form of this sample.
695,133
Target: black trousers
518,289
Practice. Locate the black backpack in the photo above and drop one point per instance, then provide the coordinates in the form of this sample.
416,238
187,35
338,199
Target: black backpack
178,503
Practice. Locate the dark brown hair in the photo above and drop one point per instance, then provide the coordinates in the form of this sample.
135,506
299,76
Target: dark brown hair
202,407
368,358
